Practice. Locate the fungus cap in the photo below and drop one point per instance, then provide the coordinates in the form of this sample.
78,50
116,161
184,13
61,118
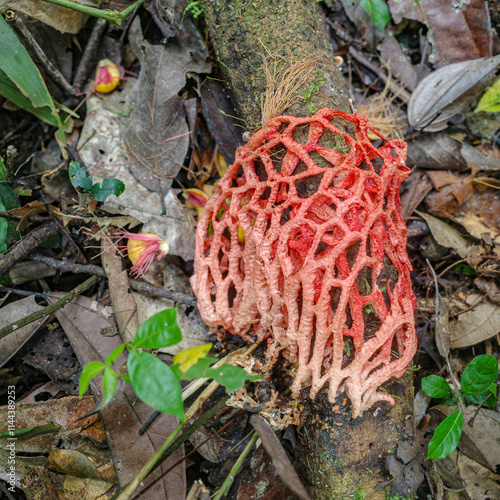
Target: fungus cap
304,245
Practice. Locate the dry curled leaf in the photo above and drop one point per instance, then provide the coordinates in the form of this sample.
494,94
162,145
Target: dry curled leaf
156,134
457,30
477,325
435,151
446,235
448,91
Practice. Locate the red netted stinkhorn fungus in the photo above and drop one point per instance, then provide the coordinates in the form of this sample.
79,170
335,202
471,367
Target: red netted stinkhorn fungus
305,246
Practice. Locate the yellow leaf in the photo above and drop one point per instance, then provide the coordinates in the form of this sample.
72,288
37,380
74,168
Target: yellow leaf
188,358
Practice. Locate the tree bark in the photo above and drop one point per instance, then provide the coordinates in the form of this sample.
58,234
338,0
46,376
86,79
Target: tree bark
336,456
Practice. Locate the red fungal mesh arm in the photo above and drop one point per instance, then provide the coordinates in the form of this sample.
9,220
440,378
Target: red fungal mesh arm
305,245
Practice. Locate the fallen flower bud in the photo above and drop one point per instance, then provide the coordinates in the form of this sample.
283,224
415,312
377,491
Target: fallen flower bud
142,249
107,77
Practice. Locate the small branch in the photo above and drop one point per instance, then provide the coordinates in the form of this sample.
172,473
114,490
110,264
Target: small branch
25,246
192,429
6,215
137,286
88,55
54,73
166,449
49,309
448,364
226,485
113,16
172,467
396,89
476,413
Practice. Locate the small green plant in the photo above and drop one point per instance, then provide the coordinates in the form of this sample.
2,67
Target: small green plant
308,94
478,386
378,11
80,178
154,382
194,8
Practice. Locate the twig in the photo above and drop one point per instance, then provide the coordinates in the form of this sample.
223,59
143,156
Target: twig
172,467
157,458
88,55
226,485
138,286
113,16
476,413
25,246
448,364
396,89
23,293
6,215
471,307
54,73
49,309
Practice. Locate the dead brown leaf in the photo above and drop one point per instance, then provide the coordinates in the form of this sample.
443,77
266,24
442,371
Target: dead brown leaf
458,31
476,325
156,134
11,313
83,321
446,235
398,62
415,189
435,151
490,287
448,91
124,305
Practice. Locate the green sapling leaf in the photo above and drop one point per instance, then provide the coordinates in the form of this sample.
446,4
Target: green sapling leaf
114,355
446,436
478,376
436,387
89,372
155,383
160,330
232,377
108,385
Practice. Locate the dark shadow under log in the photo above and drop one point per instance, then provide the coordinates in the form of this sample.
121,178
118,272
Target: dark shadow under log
337,456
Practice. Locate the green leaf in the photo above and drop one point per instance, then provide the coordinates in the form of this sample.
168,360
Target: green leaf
196,371
18,66
446,436
79,176
7,195
378,11
126,378
436,387
161,330
188,358
155,383
114,355
108,187
478,375
232,377
90,371
22,83
108,384
3,230
490,101
479,398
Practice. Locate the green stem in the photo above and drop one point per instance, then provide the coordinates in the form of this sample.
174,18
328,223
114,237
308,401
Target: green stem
49,309
113,16
149,466
167,448
194,427
226,485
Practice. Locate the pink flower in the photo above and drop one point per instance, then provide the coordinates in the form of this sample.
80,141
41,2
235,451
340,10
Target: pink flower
142,249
